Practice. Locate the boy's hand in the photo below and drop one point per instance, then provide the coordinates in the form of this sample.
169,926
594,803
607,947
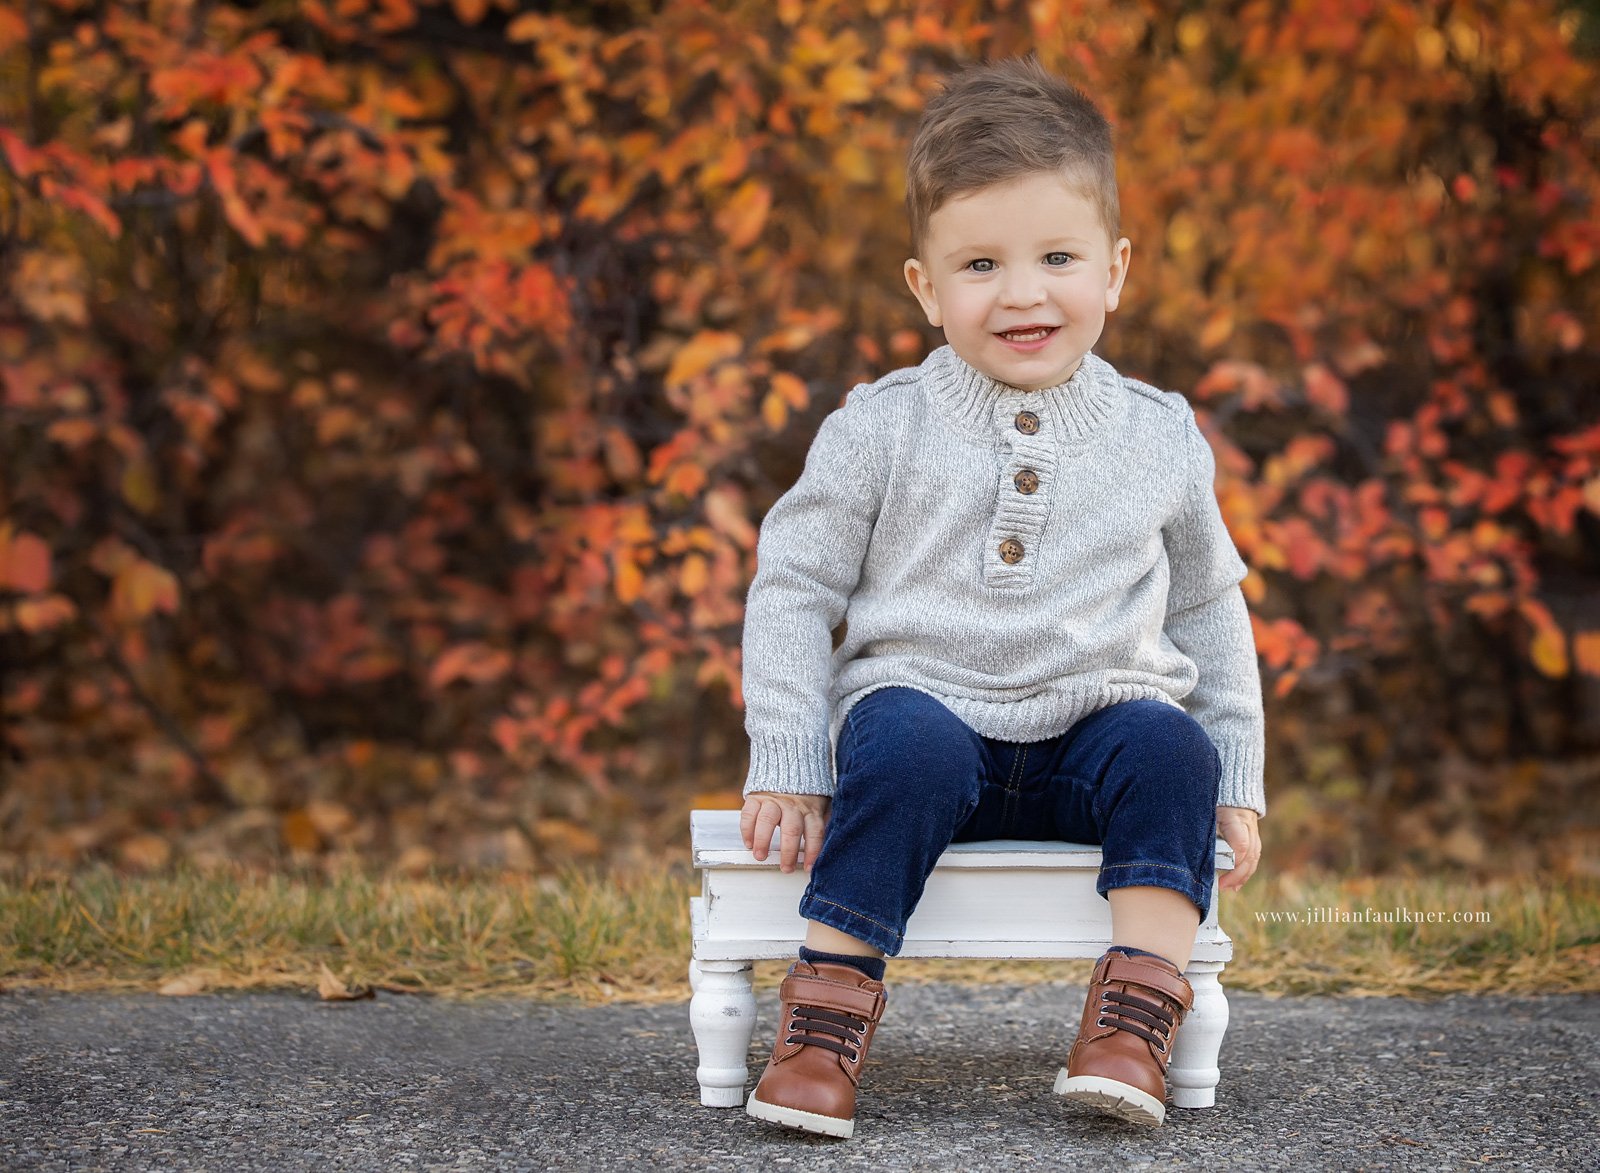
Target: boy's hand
1237,824
802,817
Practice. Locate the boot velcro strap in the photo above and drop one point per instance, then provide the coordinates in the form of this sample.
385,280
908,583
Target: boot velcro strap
806,990
1172,987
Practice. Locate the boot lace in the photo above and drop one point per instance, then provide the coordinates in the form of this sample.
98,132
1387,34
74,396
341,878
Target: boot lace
1149,1018
812,1026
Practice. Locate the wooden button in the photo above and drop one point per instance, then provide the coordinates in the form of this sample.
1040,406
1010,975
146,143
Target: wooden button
1027,481
1027,423
1011,551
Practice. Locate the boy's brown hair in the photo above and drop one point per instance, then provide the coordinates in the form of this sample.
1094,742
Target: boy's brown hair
1002,121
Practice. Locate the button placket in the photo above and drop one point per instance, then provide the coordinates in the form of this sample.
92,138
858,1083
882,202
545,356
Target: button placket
1027,444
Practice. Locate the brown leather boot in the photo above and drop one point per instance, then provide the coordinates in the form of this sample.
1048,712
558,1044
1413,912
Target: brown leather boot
1118,1063
829,1014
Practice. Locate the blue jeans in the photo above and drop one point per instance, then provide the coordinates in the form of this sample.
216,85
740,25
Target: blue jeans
1138,778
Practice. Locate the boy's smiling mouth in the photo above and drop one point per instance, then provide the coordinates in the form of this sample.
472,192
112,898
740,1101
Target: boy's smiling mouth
1026,336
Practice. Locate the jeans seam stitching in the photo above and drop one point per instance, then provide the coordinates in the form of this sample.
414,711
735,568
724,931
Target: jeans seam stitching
1008,808
1143,864
858,915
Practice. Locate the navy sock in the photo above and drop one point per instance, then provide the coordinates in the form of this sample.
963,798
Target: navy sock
873,967
1130,951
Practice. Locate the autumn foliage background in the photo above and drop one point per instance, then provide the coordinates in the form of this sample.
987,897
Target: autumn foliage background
392,391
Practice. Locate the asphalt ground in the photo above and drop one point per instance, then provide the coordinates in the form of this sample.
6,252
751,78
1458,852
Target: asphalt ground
959,1078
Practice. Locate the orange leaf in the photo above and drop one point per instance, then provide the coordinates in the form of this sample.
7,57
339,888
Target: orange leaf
1217,330
476,663
621,455
1586,651
43,614
24,562
694,576
686,480
630,580
742,218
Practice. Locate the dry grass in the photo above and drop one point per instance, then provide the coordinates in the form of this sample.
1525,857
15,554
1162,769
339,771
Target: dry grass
624,936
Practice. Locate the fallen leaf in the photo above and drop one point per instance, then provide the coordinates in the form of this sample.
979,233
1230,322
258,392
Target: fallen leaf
185,985
331,988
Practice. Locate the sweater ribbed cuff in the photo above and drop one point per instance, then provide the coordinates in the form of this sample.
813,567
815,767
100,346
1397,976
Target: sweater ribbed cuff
787,763
1242,785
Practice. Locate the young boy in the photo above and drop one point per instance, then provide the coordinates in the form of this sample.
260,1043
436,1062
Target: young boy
1045,636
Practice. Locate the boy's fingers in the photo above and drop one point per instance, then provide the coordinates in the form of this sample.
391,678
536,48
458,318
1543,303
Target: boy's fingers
790,844
815,826
771,815
1247,856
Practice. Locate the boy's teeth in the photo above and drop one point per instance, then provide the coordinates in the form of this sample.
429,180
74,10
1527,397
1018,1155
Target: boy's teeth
1024,335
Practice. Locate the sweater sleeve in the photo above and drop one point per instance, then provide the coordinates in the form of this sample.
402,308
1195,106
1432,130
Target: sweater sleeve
1207,620
808,561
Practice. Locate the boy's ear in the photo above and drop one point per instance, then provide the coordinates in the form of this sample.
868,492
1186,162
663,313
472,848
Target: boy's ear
922,288
1118,273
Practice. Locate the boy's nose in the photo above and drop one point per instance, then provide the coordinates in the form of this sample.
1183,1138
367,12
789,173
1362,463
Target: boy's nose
1021,291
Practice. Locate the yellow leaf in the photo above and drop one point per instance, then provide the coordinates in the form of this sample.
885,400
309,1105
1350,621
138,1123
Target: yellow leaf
847,82
141,587
144,852
774,411
791,389
52,287
1549,651
139,486
702,352
854,165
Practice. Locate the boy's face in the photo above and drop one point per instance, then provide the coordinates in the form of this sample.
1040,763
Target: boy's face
1020,276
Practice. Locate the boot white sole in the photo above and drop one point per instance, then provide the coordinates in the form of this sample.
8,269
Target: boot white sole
1110,1096
795,1118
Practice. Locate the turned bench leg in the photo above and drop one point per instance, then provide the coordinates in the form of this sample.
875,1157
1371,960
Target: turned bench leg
1193,1072
723,1015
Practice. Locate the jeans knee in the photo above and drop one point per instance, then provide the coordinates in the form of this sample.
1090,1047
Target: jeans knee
1163,746
903,741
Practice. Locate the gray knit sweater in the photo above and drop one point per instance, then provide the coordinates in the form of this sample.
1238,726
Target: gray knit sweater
1026,557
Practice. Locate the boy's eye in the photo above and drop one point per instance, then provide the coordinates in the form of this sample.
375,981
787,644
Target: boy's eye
1058,258
981,265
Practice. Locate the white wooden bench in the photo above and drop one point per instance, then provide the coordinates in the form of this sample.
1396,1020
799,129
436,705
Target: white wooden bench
1004,898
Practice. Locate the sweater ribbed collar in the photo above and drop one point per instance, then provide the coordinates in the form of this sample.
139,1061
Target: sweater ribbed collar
975,402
